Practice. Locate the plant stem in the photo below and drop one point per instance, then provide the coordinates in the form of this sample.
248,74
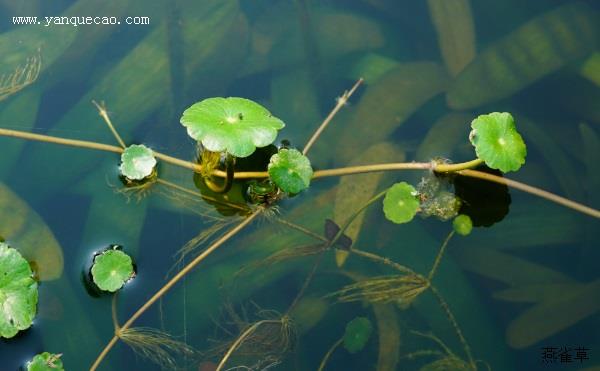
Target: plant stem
174,280
454,324
382,260
329,353
319,173
240,339
533,190
104,114
448,168
439,256
341,102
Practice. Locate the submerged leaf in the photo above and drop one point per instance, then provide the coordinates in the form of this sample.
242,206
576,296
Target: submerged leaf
290,170
46,362
18,292
137,162
112,269
233,125
357,334
497,141
401,289
401,203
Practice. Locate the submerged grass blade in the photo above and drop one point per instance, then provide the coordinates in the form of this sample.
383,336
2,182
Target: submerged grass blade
21,77
402,289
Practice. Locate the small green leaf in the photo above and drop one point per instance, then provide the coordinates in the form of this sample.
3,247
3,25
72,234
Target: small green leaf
137,162
18,292
357,334
234,125
112,269
462,224
46,362
401,203
290,170
497,141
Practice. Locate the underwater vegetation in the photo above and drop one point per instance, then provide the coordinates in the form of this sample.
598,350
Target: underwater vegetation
399,233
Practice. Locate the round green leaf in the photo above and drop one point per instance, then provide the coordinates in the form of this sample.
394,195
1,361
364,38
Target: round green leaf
112,269
290,170
18,292
357,334
462,224
401,203
497,141
46,362
234,125
137,162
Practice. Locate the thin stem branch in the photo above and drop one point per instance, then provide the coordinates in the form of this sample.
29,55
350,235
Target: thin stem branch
319,173
163,290
439,256
533,190
454,324
448,168
329,353
104,114
382,260
341,102
240,339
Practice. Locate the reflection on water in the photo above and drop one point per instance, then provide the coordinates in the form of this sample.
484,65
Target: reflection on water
527,283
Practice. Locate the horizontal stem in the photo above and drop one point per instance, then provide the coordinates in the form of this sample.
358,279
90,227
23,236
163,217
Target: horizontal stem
448,168
533,190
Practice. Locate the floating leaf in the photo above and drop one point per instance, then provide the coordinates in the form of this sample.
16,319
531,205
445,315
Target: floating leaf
18,292
234,125
137,162
290,170
401,203
45,362
357,334
462,224
497,141
112,269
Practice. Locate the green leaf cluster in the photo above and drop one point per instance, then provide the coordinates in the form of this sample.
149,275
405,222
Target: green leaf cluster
46,362
137,162
401,203
18,292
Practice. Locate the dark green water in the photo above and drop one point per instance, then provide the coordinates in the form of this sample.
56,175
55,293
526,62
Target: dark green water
429,69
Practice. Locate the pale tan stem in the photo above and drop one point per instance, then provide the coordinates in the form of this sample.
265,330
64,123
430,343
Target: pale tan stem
104,114
382,260
240,339
533,190
439,256
448,168
163,290
341,102
329,353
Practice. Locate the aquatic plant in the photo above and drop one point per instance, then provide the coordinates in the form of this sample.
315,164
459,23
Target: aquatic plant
232,128
111,269
462,224
18,292
45,362
357,334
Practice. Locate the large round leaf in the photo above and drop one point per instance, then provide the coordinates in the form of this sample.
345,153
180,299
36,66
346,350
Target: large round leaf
112,269
45,362
497,141
357,334
18,292
290,170
137,162
401,203
234,125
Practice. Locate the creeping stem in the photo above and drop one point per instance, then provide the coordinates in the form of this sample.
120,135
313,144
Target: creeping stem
226,186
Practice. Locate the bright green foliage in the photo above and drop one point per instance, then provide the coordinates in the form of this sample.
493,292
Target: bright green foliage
462,224
401,203
234,125
18,292
112,269
357,334
290,170
46,362
137,162
497,141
